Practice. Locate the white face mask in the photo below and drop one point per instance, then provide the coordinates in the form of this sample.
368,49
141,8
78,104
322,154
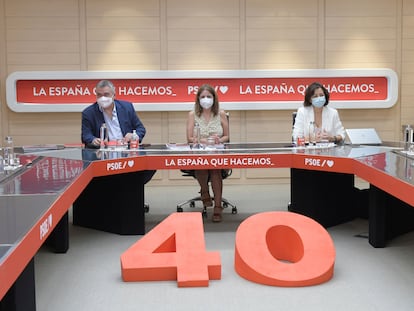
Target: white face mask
104,102
206,102
318,102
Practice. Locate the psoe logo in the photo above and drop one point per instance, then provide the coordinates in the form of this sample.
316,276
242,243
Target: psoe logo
45,226
319,162
120,165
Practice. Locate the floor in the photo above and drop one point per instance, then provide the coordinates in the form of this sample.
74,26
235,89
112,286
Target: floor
88,277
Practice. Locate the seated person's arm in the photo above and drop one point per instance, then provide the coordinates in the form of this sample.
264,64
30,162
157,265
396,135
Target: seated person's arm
87,132
190,127
338,129
299,127
225,124
134,123
140,128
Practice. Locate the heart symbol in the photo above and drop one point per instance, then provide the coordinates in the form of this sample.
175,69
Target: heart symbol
330,163
224,89
131,163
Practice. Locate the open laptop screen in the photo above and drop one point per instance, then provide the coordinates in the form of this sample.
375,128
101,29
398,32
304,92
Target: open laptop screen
364,136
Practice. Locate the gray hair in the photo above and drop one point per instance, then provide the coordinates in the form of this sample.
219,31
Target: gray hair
105,83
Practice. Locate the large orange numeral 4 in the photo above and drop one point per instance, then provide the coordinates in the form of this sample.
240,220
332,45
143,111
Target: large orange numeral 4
173,250
284,249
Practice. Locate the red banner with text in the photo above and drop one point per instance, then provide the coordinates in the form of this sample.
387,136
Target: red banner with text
237,90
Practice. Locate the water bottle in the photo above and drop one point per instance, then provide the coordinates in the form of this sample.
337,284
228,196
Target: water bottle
312,134
408,137
1,165
294,141
9,151
196,136
103,134
294,137
134,143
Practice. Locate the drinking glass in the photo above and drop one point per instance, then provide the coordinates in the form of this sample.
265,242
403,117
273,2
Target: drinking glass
120,143
214,138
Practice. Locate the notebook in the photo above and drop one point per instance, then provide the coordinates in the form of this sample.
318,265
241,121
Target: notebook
365,136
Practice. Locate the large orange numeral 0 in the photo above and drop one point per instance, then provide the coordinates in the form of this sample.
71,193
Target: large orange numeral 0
173,250
284,249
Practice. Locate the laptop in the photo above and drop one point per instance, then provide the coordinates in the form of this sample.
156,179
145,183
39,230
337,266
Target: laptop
364,136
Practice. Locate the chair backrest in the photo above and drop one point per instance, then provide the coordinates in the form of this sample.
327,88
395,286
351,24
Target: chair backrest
191,173
228,121
227,172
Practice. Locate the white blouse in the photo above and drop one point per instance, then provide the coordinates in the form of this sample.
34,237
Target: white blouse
330,122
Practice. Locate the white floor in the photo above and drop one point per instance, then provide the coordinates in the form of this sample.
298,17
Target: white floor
88,277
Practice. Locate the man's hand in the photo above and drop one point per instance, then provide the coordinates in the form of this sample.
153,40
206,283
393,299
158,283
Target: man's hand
128,137
96,142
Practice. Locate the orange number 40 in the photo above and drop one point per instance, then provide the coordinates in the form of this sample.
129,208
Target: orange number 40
272,248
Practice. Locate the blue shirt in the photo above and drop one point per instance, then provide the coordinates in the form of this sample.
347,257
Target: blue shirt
112,124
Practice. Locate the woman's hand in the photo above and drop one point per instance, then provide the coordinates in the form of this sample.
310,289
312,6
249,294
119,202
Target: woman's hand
324,135
215,137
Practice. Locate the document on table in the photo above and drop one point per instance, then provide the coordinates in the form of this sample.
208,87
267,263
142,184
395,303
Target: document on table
188,147
178,147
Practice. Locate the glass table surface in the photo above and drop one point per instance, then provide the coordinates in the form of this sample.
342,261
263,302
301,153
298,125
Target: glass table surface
27,192
90,155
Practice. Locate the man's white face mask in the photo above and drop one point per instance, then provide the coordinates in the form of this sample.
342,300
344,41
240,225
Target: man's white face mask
104,102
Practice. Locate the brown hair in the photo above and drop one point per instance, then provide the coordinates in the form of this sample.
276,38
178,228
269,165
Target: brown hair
215,108
310,90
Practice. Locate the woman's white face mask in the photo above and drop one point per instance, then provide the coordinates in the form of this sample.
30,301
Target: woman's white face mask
206,102
104,102
319,101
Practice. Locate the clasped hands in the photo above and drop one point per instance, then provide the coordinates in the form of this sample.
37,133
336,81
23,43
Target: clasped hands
321,134
213,139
